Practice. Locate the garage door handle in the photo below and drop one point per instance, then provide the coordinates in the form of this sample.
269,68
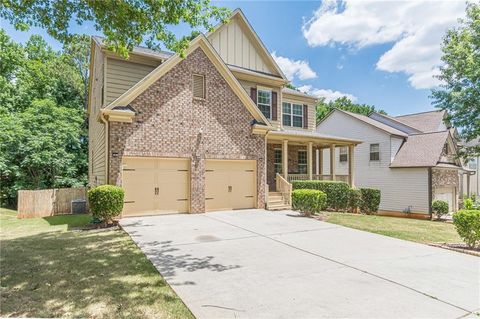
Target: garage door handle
229,189
156,190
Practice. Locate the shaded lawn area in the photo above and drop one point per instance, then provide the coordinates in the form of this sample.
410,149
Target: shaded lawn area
421,231
48,269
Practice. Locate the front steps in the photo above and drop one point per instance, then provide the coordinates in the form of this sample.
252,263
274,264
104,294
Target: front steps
276,201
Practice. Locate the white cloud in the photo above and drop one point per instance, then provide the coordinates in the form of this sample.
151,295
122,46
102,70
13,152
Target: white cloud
415,27
291,68
328,95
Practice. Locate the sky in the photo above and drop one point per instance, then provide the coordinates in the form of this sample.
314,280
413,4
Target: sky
381,53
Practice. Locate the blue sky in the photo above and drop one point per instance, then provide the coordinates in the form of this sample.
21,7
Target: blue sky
378,53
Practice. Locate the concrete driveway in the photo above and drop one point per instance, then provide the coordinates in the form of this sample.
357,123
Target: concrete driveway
260,264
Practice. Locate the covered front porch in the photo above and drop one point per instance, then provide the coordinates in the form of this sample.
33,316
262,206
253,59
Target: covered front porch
308,156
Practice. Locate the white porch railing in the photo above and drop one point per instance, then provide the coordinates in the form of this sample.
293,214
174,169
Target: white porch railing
285,188
316,177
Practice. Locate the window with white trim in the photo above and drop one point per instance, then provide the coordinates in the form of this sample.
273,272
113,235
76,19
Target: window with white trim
302,162
374,152
264,102
343,154
277,160
472,164
292,114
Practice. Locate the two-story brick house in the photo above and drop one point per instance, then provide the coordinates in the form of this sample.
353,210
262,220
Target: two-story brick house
214,130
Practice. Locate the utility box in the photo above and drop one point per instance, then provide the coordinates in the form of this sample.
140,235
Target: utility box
78,206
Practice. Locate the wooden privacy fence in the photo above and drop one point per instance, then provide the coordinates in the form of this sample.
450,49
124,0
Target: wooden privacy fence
47,202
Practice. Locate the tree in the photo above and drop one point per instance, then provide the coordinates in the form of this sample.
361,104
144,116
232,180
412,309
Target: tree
43,132
344,103
125,24
459,92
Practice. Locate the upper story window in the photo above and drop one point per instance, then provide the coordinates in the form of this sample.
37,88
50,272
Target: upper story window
472,164
264,102
374,152
292,114
198,86
343,154
302,162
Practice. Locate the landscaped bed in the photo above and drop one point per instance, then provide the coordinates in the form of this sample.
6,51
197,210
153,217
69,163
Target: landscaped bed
52,269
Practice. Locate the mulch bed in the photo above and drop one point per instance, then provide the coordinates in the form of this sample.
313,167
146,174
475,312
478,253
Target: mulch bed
102,226
461,248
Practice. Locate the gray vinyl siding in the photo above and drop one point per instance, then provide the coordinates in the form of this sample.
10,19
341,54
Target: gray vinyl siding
400,188
122,75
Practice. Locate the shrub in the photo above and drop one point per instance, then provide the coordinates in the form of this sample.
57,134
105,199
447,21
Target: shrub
440,208
337,192
467,223
308,201
106,202
468,203
370,200
354,199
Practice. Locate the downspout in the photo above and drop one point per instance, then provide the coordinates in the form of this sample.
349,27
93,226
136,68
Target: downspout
105,122
430,195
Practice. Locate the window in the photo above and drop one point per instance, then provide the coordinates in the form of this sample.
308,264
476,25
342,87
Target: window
343,154
277,162
264,102
292,114
198,86
374,152
302,162
472,164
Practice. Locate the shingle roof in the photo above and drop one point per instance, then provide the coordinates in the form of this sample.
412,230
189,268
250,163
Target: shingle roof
141,50
425,121
295,92
375,123
421,150
313,134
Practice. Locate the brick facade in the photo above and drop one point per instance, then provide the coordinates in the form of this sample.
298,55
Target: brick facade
170,123
444,177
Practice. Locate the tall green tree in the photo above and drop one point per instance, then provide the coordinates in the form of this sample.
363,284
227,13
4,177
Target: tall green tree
460,92
125,24
43,132
344,103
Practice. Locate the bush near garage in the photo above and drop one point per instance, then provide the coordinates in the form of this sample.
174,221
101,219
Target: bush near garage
337,192
354,200
308,201
370,200
440,208
106,202
467,223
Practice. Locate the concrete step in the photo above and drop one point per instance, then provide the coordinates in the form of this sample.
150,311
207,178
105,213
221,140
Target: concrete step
277,202
279,207
274,194
275,198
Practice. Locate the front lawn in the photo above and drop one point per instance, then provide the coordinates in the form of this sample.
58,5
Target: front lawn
49,269
422,231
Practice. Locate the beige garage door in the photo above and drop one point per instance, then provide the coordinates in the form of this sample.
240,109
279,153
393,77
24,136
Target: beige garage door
230,184
156,185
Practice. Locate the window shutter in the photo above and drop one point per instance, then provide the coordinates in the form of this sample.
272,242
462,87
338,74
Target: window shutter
305,116
274,106
253,94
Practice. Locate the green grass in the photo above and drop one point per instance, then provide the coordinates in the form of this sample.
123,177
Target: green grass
49,269
422,231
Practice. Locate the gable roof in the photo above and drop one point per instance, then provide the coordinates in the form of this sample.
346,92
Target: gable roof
421,150
378,125
392,119
238,14
199,42
425,122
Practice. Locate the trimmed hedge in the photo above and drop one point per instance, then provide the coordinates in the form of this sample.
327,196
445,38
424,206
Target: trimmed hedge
308,201
337,192
370,200
106,202
440,208
354,199
467,223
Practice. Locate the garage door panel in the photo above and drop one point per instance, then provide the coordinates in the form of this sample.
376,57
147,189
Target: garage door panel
156,186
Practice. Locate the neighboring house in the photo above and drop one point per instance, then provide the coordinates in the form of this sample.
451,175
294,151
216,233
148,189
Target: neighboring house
215,130
470,180
410,158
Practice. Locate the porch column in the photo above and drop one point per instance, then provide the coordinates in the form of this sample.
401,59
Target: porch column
351,165
285,159
310,160
332,162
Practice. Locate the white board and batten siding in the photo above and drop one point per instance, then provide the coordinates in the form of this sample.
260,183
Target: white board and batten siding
401,188
235,46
